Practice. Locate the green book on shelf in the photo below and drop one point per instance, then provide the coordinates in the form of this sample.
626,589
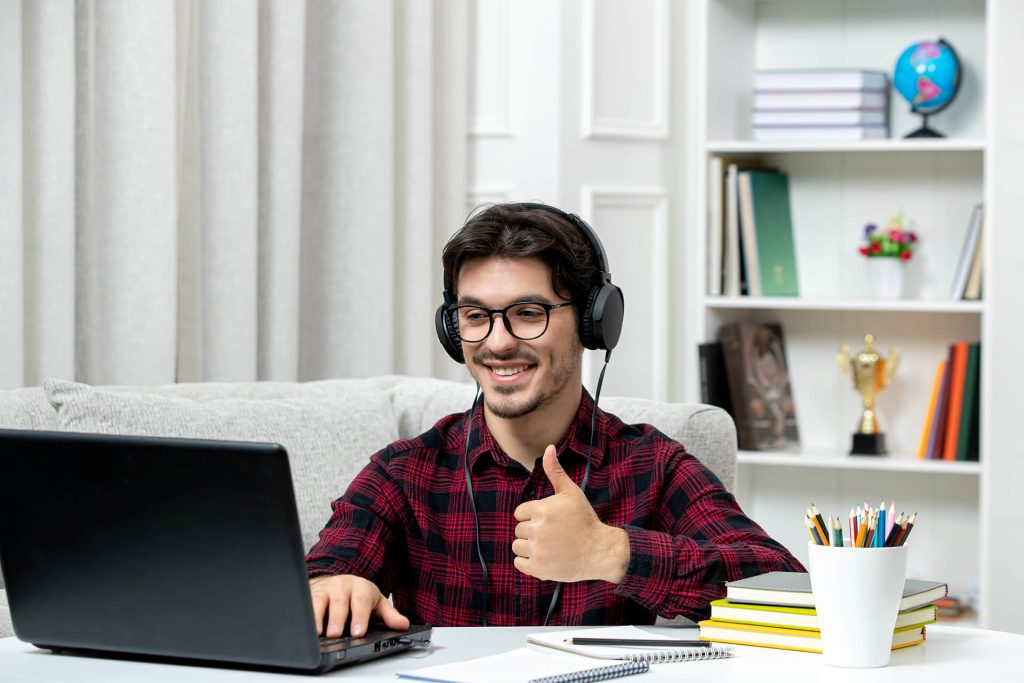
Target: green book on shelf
801,617
773,227
971,394
793,589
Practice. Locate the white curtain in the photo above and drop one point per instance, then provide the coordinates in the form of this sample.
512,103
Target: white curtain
227,190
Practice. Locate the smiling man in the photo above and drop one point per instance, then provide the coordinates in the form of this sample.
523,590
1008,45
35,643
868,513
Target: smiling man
534,506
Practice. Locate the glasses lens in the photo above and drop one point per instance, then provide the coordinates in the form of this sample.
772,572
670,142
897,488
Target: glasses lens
528,321
474,323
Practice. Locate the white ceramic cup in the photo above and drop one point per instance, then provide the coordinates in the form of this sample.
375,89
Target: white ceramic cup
857,594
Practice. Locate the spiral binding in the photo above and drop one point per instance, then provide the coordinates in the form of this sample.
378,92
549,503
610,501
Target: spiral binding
692,654
600,673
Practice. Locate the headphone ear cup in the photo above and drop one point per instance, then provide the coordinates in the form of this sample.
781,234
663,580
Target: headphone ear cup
586,326
601,321
448,334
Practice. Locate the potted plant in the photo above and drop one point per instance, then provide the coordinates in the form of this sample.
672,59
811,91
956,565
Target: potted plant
887,252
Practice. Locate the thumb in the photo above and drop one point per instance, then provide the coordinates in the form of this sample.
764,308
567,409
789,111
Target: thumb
556,475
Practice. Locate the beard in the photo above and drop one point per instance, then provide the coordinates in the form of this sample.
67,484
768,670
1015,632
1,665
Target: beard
502,400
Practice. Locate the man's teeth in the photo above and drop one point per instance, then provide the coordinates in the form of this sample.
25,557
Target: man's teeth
508,372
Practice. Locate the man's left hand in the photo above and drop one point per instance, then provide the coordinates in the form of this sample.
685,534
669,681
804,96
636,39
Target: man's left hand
560,538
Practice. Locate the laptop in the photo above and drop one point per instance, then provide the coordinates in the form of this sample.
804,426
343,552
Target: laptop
177,549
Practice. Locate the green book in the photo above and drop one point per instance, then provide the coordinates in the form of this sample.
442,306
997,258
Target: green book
773,226
971,395
801,617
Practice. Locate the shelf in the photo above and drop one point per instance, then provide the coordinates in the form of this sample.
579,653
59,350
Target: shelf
805,304
890,145
850,462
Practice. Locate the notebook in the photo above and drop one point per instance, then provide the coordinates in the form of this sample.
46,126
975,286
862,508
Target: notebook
161,548
525,666
639,653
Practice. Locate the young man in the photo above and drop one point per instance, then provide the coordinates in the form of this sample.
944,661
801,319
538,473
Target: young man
482,519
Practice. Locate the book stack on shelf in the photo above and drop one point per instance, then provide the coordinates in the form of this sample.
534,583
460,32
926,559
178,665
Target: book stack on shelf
951,426
777,610
837,105
751,249
967,280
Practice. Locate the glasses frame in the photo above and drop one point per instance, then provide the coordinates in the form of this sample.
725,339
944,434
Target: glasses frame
453,310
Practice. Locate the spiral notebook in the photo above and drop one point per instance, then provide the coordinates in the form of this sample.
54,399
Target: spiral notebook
642,653
525,666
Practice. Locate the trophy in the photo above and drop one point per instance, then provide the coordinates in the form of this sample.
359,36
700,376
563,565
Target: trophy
870,373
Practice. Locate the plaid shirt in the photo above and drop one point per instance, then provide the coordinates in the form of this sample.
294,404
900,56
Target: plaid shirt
405,523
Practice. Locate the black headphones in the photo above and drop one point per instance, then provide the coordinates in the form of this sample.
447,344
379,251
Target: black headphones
600,317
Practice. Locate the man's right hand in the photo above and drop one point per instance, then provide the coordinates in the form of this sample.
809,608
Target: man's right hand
339,596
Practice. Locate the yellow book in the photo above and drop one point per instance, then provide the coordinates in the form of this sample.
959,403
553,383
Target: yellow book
805,618
801,640
922,451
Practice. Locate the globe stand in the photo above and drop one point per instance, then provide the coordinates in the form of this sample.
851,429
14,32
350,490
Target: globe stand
924,131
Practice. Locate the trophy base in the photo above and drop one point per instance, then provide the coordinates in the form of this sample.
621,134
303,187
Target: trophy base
868,444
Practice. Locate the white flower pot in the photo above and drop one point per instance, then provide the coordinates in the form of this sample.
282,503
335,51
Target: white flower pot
885,276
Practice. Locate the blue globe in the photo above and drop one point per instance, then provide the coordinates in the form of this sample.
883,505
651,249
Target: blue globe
927,75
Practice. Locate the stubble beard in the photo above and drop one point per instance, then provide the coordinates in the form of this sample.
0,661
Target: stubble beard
563,373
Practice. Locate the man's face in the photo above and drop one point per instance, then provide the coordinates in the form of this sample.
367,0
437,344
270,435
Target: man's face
518,377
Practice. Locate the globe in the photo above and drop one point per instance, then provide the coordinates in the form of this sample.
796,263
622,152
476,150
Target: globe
927,75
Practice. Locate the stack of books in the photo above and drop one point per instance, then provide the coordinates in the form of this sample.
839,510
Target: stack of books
777,610
952,423
820,104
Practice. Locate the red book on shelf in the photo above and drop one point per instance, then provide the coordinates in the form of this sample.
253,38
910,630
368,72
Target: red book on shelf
957,377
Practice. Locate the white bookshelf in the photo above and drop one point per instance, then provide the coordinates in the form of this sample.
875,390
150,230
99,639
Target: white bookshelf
835,190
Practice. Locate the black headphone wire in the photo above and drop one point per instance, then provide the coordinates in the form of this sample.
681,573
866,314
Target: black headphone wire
472,498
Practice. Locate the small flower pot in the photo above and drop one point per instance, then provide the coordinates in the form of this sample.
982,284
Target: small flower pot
885,277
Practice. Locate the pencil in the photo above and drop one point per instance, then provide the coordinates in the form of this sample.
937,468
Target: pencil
656,642
838,532
819,523
813,530
818,518
890,539
910,525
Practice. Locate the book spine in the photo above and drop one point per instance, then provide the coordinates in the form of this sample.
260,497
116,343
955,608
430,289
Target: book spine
956,397
929,420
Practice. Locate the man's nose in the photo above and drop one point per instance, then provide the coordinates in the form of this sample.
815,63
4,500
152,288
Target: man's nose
500,337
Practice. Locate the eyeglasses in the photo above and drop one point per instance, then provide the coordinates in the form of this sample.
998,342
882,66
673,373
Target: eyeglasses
525,320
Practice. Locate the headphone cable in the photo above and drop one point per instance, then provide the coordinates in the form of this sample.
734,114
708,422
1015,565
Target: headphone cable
586,472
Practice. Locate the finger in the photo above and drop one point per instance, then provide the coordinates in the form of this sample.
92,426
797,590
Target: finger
362,604
390,615
522,564
556,475
521,548
337,615
522,530
524,512
320,602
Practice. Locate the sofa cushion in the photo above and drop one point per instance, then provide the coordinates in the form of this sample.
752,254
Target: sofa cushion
329,433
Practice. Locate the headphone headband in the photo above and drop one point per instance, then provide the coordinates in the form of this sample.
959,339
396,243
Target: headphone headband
600,316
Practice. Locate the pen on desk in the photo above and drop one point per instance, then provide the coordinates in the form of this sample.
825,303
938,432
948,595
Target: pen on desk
648,642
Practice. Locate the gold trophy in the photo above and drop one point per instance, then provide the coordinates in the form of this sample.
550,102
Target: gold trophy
870,373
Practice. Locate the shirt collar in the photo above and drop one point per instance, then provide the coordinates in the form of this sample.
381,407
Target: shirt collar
575,441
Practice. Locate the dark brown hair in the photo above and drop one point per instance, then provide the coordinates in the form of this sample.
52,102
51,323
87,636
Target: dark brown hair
514,231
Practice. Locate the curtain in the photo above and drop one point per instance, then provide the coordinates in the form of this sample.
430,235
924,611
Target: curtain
227,191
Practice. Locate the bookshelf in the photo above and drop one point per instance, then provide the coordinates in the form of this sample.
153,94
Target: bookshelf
836,188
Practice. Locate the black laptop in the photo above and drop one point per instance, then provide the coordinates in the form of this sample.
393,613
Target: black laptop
163,548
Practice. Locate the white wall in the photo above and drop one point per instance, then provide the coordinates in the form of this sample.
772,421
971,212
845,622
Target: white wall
573,104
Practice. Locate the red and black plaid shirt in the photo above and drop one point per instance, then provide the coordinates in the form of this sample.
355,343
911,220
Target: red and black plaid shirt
405,523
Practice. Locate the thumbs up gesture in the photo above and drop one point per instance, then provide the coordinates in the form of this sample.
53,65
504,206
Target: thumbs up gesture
560,538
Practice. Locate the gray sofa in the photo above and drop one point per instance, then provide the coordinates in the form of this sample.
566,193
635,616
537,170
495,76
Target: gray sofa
329,427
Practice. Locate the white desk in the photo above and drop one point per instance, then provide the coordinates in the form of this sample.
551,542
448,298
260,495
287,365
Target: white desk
950,654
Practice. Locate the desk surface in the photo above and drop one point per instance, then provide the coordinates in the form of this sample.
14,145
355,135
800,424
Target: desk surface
949,654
